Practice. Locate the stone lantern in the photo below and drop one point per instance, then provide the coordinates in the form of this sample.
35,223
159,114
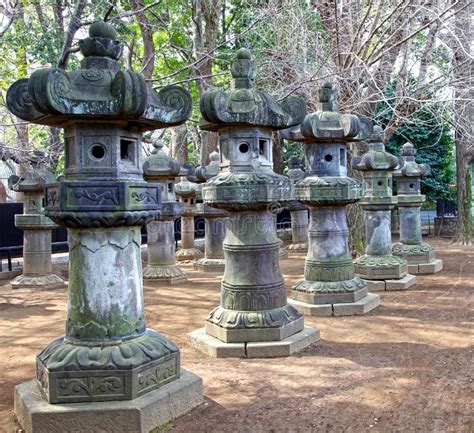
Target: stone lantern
253,318
187,191
37,228
161,267
378,267
298,211
329,287
419,255
108,353
215,220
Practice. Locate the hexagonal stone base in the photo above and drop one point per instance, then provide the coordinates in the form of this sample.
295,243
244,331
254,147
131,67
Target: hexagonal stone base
140,415
362,306
38,282
254,334
401,284
432,267
188,254
210,265
165,275
263,349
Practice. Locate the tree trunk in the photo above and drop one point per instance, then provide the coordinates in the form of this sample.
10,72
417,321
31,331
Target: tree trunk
179,143
464,120
277,158
148,62
206,16
73,27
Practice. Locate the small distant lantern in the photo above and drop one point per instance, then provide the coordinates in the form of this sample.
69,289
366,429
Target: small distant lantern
162,267
419,255
378,267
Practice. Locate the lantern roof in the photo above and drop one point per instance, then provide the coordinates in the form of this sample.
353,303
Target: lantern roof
245,105
159,164
376,158
410,167
98,92
326,125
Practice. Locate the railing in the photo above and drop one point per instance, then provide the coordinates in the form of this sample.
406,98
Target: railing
446,208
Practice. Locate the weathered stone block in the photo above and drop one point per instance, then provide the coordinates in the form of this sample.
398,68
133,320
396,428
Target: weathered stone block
243,335
401,284
329,298
140,415
362,306
292,344
433,267
312,309
375,285
214,347
264,349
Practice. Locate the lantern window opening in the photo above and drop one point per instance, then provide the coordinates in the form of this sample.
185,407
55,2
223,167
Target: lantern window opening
126,149
328,157
244,147
98,151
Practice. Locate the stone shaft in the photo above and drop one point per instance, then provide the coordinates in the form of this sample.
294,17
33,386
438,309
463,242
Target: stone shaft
251,245
161,243
378,234
215,234
107,301
299,226
37,252
187,231
410,225
328,258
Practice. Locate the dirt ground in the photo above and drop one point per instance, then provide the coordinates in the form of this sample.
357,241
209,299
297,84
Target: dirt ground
406,367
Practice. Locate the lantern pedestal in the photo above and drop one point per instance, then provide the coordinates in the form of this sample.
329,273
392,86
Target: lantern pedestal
141,415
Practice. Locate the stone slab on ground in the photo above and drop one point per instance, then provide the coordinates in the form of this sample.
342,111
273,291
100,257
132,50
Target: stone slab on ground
215,347
140,415
362,306
434,266
321,310
238,335
208,265
263,349
400,284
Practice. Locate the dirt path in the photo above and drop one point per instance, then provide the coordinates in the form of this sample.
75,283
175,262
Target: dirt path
406,367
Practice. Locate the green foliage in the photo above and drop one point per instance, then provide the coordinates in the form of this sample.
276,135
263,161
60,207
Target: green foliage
435,147
428,130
